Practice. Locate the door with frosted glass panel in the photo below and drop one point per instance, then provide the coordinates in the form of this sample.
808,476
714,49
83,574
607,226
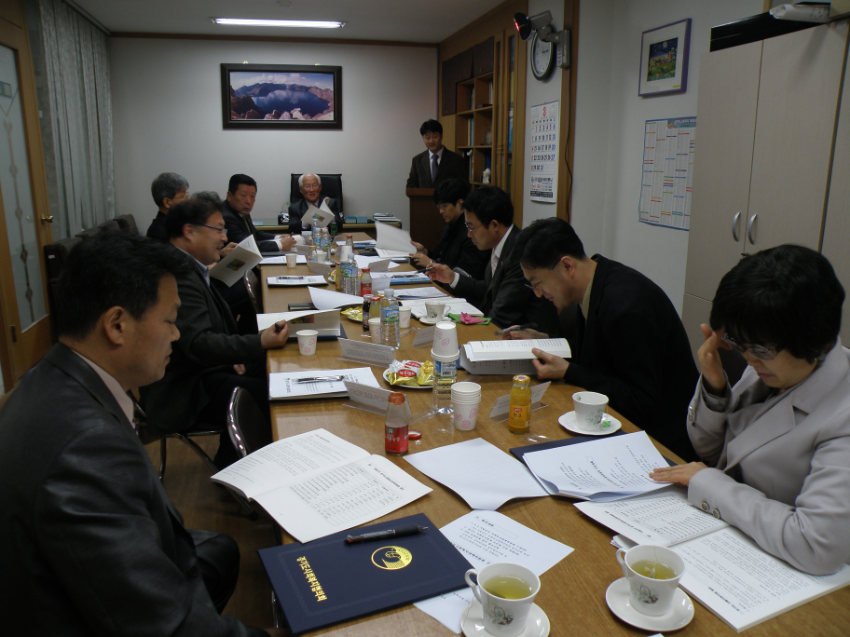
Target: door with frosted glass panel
24,216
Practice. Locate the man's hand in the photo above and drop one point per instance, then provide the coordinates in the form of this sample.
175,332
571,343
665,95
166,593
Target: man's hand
680,474
441,273
271,338
548,365
522,335
419,247
239,368
227,249
286,242
713,378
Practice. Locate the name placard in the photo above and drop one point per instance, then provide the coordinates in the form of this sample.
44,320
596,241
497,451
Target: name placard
365,396
502,405
424,337
319,268
363,352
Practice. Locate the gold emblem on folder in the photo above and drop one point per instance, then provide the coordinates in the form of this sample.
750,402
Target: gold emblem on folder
392,558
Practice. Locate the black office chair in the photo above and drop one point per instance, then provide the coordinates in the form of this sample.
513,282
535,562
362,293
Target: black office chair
243,409
331,187
254,293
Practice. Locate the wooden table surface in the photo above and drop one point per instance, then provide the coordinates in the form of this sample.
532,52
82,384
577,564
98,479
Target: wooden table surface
573,591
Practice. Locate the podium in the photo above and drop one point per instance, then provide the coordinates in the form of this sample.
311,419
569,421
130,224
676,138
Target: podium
426,224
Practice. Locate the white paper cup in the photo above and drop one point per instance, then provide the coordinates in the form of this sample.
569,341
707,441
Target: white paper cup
404,317
466,390
503,617
589,408
375,329
291,260
647,595
465,414
321,256
435,310
445,339
307,342
344,252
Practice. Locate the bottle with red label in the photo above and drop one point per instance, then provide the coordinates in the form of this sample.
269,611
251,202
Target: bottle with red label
395,430
365,282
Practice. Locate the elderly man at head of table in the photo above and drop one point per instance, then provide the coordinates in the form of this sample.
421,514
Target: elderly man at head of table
310,186
626,338
91,543
211,357
779,441
502,294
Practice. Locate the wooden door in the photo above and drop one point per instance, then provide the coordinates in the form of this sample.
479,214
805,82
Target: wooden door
726,123
24,215
798,103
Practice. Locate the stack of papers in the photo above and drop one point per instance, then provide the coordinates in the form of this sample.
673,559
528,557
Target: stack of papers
300,259
326,383
296,280
422,293
325,322
515,350
382,280
330,299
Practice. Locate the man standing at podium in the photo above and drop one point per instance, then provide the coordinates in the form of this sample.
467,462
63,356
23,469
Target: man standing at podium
437,163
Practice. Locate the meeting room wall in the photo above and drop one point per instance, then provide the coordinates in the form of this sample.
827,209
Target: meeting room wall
167,117
610,123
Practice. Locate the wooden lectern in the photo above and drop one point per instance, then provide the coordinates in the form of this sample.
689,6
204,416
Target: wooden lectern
426,224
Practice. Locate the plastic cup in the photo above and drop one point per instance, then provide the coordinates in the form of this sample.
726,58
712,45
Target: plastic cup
344,253
375,329
589,407
404,317
307,342
445,340
291,260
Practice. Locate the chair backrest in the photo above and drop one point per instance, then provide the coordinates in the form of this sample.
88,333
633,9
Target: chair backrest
253,287
243,409
128,223
331,187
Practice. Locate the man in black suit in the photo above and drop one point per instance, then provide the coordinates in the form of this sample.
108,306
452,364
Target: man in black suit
211,357
437,163
236,210
502,294
168,190
310,186
455,249
627,339
91,545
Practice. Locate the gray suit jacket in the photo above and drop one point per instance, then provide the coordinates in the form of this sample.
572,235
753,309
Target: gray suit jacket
451,166
209,342
91,544
782,471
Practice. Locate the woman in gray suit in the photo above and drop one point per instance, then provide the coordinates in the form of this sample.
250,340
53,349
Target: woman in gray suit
777,445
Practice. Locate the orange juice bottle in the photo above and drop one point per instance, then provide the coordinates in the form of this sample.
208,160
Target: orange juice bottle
520,410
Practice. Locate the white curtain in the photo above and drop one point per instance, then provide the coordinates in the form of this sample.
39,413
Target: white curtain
76,109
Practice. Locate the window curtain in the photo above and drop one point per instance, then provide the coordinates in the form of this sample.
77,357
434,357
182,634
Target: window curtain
76,105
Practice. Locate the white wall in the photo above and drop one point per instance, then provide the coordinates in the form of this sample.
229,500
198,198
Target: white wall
167,117
610,122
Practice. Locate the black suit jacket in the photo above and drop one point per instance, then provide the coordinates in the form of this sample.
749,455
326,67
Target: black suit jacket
209,342
298,209
157,229
451,166
633,348
91,544
456,250
504,295
240,226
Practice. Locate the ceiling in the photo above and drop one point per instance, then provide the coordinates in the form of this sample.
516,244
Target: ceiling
399,20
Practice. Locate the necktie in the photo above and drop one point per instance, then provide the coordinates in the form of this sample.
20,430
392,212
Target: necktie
494,261
434,159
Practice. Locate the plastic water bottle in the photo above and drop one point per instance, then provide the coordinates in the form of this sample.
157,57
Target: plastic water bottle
389,319
349,274
317,231
445,375
395,428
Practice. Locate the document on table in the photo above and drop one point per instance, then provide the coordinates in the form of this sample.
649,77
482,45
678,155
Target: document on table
300,259
325,322
375,264
328,299
516,350
602,470
485,537
479,472
421,293
315,484
285,385
393,239
297,280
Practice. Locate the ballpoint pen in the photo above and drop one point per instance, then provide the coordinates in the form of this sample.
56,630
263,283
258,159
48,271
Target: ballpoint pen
517,328
318,378
278,328
385,535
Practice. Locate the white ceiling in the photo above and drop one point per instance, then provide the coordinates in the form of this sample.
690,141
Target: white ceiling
400,20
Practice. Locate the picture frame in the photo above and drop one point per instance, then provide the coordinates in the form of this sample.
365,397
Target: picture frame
281,96
664,59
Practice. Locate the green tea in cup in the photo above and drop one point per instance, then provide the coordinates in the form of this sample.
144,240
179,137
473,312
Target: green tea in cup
507,587
654,570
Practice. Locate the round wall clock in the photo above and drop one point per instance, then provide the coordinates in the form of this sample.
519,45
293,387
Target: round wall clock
542,57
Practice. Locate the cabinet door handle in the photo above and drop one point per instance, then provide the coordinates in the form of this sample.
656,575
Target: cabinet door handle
736,226
751,228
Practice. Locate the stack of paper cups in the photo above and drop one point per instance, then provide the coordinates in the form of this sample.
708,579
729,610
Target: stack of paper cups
465,400
344,253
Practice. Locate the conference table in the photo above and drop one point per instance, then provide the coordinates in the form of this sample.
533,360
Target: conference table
572,593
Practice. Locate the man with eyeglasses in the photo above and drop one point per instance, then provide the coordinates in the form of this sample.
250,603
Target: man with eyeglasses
211,357
310,186
501,294
236,211
455,249
627,339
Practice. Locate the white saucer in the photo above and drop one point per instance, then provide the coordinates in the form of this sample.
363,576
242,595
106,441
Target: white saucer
472,622
679,616
568,422
430,321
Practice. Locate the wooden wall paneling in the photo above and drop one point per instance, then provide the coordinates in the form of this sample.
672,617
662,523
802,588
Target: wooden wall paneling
482,57
566,143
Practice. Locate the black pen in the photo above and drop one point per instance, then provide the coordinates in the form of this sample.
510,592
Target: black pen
279,328
385,535
517,328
